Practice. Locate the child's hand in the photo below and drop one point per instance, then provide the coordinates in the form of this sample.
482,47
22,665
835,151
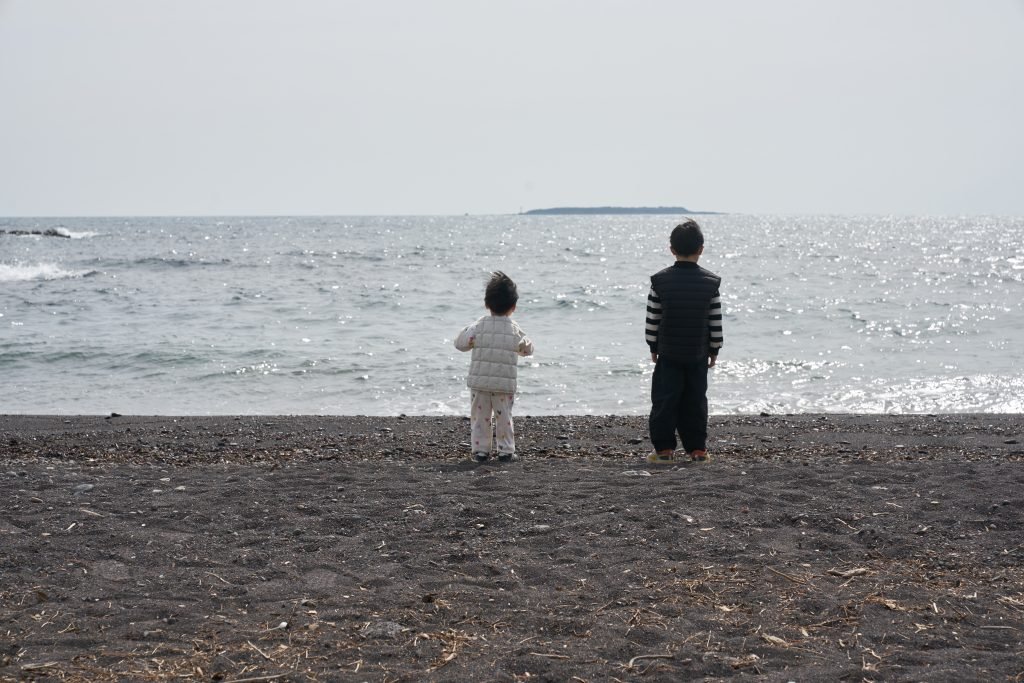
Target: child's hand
466,339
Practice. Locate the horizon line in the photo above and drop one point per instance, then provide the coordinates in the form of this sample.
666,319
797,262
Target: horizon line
520,213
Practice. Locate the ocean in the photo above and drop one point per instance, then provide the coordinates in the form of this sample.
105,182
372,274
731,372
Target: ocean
356,315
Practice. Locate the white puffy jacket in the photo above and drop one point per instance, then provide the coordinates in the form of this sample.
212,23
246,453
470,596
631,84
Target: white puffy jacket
497,342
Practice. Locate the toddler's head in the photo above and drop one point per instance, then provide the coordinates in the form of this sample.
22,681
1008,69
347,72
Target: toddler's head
501,294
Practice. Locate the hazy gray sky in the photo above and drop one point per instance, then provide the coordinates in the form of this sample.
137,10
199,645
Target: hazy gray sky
120,107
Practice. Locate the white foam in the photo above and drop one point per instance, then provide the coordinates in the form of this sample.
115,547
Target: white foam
76,235
37,272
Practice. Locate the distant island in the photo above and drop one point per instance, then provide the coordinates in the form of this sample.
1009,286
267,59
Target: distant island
613,210
49,232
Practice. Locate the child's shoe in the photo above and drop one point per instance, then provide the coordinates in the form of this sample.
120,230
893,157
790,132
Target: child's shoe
700,456
507,457
481,456
662,457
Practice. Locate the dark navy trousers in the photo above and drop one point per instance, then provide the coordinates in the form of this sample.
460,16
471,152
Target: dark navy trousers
679,404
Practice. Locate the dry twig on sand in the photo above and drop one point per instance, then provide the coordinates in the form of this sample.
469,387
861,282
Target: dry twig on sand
849,573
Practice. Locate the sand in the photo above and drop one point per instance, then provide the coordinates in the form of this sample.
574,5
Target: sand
812,548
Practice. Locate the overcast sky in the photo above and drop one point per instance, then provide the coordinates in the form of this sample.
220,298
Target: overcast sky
228,107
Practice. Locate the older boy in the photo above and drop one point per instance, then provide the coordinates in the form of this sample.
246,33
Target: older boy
684,332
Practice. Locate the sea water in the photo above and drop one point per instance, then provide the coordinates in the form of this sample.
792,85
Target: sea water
356,315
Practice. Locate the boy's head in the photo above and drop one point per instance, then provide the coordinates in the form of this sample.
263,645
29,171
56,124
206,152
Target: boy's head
687,239
501,294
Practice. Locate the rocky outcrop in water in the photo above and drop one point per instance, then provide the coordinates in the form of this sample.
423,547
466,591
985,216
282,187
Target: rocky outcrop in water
49,232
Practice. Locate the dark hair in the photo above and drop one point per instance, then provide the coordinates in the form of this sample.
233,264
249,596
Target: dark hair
501,294
687,239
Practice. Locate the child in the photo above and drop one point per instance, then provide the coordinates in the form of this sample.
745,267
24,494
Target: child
684,333
497,342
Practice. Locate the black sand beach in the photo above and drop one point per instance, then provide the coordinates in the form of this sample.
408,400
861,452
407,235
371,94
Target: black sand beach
812,548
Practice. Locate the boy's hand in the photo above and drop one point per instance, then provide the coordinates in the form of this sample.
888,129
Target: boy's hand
712,360
654,358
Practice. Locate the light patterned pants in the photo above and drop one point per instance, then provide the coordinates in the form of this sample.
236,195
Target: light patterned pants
482,405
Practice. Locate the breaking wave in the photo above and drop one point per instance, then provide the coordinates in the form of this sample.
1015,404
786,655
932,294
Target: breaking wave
38,272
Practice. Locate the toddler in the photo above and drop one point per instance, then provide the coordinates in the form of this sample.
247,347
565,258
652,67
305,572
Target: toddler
497,343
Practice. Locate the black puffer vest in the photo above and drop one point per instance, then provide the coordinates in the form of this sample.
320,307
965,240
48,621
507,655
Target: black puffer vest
686,291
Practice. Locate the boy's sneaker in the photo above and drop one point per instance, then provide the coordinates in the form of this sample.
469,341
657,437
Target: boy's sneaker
507,457
481,456
663,457
700,456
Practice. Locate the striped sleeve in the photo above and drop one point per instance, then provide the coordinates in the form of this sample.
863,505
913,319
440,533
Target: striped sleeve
715,324
653,319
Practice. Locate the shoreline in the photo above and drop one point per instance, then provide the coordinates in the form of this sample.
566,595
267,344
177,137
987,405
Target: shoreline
812,547
189,439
